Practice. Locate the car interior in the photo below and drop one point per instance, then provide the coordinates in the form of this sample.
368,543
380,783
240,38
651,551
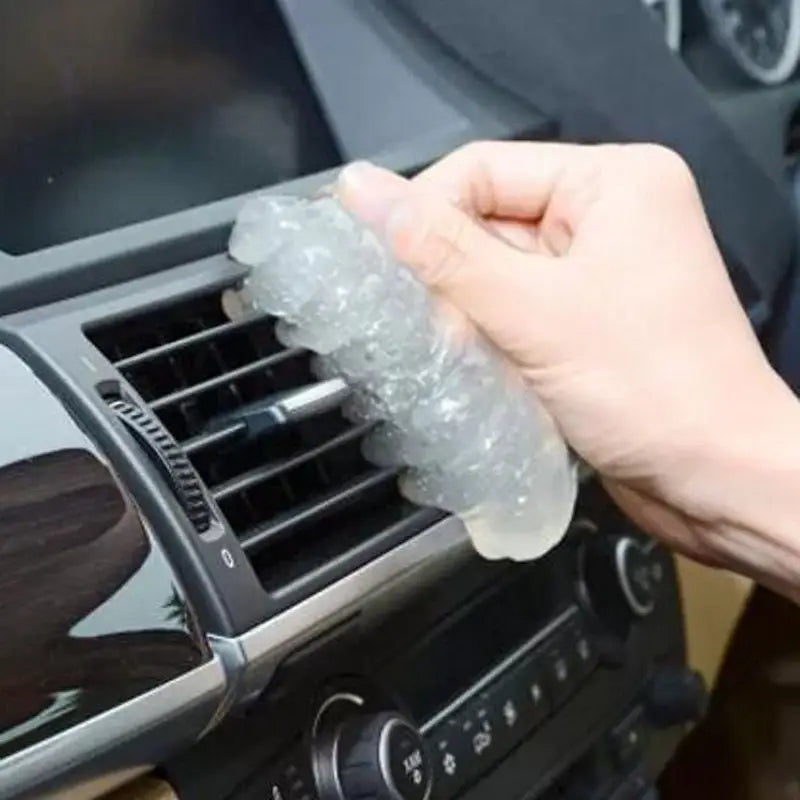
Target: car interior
264,615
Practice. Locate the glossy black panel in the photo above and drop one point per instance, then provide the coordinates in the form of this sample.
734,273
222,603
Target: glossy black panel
90,612
133,110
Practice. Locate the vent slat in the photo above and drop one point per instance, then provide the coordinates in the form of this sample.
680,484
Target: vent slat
200,337
322,507
259,365
418,519
203,441
272,470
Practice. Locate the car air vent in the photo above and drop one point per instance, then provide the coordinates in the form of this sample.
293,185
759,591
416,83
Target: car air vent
304,503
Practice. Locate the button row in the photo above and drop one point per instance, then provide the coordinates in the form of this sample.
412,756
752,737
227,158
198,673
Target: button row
291,780
474,738
614,767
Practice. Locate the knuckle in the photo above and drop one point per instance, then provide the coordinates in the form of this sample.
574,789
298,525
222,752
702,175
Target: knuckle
665,165
440,250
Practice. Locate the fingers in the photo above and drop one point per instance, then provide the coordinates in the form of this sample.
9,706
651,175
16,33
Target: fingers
466,263
502,179
369,193
521,235
453,253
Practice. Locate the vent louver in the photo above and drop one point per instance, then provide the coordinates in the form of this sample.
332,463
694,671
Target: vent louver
304,503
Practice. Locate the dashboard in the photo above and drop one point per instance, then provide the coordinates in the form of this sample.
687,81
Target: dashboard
267,617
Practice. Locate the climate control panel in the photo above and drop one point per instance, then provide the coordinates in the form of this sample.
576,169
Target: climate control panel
470,737
499,681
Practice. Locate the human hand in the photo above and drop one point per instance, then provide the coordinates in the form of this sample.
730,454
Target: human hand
594,269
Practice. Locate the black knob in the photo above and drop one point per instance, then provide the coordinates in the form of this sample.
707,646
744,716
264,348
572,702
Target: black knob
378,757
675,695
621,578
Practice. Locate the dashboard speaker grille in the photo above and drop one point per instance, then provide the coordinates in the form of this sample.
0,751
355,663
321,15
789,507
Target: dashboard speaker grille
304,503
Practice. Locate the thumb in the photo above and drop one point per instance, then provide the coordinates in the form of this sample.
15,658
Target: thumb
453,253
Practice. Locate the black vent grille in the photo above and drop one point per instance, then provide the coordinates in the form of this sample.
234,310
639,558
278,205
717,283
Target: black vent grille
305,504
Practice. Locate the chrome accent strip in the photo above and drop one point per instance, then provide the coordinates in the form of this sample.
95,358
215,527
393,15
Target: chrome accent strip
348,697
500,668
621,561
82,744
252,657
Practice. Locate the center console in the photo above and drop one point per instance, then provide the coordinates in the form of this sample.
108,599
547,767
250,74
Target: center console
560,678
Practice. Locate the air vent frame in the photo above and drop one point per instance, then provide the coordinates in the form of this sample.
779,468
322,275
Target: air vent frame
250,631
225,591
333,556
52,339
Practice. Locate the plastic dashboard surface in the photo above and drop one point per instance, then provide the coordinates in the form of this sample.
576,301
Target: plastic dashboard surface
94,622
187,248
438,101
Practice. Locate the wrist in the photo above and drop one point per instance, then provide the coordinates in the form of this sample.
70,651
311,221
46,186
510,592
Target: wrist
740,485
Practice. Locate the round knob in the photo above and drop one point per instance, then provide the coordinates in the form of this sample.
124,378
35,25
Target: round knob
675,695
380,757
620,578
636,573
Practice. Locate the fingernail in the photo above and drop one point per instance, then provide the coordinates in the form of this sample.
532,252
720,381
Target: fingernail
352,176
370,192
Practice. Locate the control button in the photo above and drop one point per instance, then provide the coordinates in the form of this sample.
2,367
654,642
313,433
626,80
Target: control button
520,702
482,729
628,740
450,763
380,757
451,758
409,767
675,695
535,692
296,783
584,656
516,705
559,660
622,578
510,714
277,790
635,787
637,570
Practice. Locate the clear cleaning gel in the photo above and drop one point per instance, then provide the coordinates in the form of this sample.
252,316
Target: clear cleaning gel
448,406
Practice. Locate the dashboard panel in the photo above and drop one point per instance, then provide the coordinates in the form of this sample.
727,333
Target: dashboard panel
94,615
207,648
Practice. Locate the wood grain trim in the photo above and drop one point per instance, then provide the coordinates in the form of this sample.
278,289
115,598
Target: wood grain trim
713,603
147,788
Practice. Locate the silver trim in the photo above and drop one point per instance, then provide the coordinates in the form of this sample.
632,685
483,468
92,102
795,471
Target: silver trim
673,20
325,749
90,740
620,558
499,669
252,657
337,781
349,697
